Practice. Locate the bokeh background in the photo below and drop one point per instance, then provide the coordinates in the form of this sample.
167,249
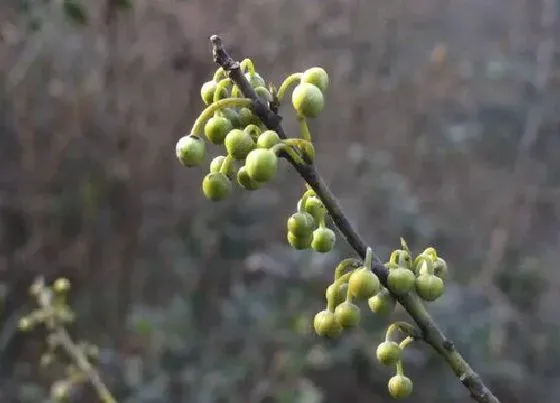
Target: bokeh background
441,126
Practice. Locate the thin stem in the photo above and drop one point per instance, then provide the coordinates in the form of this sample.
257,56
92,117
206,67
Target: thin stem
426,266
391,330
207,113
348,263
431,333
403,327
288,82
285,149
226,165
430,253
400,369
404,245
222,85
341,280
394,258
219,74
236,92
308,193
322,223
304,147
304,129
79,358
248,66
404,344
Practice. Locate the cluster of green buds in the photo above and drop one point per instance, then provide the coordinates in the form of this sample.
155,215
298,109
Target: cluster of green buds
251,149
424,275
251,158
306,228
354,281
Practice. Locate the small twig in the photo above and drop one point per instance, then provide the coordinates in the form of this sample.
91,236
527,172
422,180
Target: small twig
78,357
431,333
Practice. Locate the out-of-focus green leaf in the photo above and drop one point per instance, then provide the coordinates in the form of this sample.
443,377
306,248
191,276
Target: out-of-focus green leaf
143,326
75,11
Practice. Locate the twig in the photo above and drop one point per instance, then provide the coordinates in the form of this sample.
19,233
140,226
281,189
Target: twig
431,333
78,357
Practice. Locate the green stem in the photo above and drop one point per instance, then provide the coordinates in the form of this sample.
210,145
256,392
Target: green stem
303,200
287,83
399,258
341,280
289,151
247,66
305,148
207,113
222,85
236,92
403,259
83,363
394,258
391,330
404,245
219,74
405,328
304,129
430,252
424,263
348,263
404,344
400,368
79,358
226,165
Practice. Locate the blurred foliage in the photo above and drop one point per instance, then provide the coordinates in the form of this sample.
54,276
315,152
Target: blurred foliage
193,302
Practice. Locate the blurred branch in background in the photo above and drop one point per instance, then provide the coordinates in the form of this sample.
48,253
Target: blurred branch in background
54,314
516,215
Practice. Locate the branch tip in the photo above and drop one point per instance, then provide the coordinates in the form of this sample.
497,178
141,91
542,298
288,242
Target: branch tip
216,40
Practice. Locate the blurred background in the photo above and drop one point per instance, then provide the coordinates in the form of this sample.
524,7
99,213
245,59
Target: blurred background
441,126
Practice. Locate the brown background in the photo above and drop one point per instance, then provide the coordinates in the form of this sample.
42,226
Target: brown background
441,126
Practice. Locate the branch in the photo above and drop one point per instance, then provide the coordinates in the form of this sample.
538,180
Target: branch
45,297
80,359
431,334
